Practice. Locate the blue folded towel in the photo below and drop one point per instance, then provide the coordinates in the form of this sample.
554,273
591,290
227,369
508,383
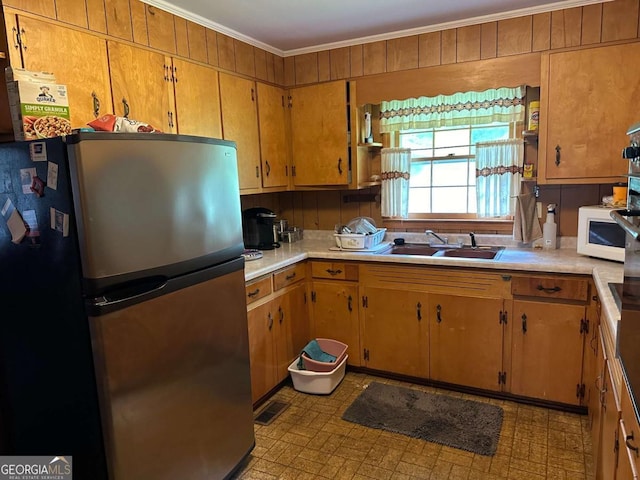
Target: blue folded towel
314,352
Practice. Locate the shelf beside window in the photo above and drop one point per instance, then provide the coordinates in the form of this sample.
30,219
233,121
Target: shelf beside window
371,146
530,136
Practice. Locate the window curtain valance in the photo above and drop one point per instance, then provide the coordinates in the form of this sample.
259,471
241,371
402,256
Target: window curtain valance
469,108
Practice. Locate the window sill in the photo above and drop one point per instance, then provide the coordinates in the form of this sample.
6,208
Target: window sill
451,225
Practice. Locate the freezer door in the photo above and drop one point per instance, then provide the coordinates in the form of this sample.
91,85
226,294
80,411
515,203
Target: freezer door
174,383
153,204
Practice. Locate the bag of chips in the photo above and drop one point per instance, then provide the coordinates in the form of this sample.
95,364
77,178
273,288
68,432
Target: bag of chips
113,123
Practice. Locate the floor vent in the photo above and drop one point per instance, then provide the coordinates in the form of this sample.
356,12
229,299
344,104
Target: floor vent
271,412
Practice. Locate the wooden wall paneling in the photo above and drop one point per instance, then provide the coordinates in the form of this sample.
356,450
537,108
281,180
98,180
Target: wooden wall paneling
226,52
245,59
573,197
162,32
328,209
448,79
489,40
551,194
357,60
139,22
340,59
514,36
402,53
375,57
119,18
297,213
182,37
289,71
619,20
306,66
449,46
212,47
324,66
197,35
429,49
46,8
96,17
591,24
269,67
348,210
278,70
541,36
260,62
310,208
73,12
468,43
566,27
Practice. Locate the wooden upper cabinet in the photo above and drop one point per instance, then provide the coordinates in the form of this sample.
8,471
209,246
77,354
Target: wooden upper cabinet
162,33
587,105
197,99
141,86
240,124
118,14
319,133
273,137
73,11
82,65
46,8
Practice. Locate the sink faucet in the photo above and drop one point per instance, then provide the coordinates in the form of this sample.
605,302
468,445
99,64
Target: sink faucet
443,241
473,240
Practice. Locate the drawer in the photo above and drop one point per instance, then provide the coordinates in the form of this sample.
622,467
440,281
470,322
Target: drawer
551,287
334,270
289,276
258,289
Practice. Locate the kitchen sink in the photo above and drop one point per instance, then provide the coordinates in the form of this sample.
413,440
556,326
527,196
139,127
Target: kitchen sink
423,249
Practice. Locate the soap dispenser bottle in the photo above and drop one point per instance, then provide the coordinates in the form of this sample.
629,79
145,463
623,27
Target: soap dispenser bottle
550,229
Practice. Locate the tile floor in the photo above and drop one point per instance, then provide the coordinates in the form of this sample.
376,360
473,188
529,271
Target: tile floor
309,440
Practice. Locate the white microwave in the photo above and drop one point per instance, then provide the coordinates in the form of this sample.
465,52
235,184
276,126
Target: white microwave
599,235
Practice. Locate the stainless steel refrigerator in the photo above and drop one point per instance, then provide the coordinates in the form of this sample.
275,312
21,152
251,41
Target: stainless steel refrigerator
123,332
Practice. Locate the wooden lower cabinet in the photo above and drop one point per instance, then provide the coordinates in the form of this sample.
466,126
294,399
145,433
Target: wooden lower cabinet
261,350
334,314
629,438
395,331
298,318
465,341
607,460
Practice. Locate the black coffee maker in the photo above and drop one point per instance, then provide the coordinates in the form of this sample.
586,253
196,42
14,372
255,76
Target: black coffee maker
257,229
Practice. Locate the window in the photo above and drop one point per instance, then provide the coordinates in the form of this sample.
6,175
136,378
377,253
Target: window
443,169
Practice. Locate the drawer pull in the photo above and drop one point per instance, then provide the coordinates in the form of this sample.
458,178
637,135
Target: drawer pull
629,446
290,277
524,323
555,289
333,272
254,293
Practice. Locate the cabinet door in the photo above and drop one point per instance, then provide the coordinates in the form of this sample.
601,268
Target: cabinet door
546,351
273,137
466,340
299,318
609,448
261,350
80,64
319,132
283,339
335,315
587,111
395,331
141,86
240,124
197,99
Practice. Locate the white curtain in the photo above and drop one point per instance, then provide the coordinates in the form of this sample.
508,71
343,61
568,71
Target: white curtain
498,174
396,165
468,108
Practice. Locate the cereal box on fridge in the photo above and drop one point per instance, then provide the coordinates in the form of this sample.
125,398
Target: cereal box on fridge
39,105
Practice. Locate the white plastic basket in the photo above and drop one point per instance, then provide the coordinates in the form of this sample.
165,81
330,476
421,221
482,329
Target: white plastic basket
359,241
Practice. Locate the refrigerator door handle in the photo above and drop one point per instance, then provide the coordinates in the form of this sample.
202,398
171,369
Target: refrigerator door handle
127,294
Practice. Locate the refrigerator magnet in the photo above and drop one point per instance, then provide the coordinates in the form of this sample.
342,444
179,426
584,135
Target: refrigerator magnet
14,221
38,151
26,177
59,221
52,175
33,232
37,186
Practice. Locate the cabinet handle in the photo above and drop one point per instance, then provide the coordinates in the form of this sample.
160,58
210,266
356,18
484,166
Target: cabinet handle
270,317
174,76
125,106
16,38
257,171
253,95
628,444
419,311
340,166
333,272
96,104
548,289
254,293
524,323
558,155
151,10
266,162
290,277
23,39
281,314
438,312
166,73
350,303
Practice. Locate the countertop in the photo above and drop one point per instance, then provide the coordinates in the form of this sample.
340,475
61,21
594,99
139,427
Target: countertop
564,260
